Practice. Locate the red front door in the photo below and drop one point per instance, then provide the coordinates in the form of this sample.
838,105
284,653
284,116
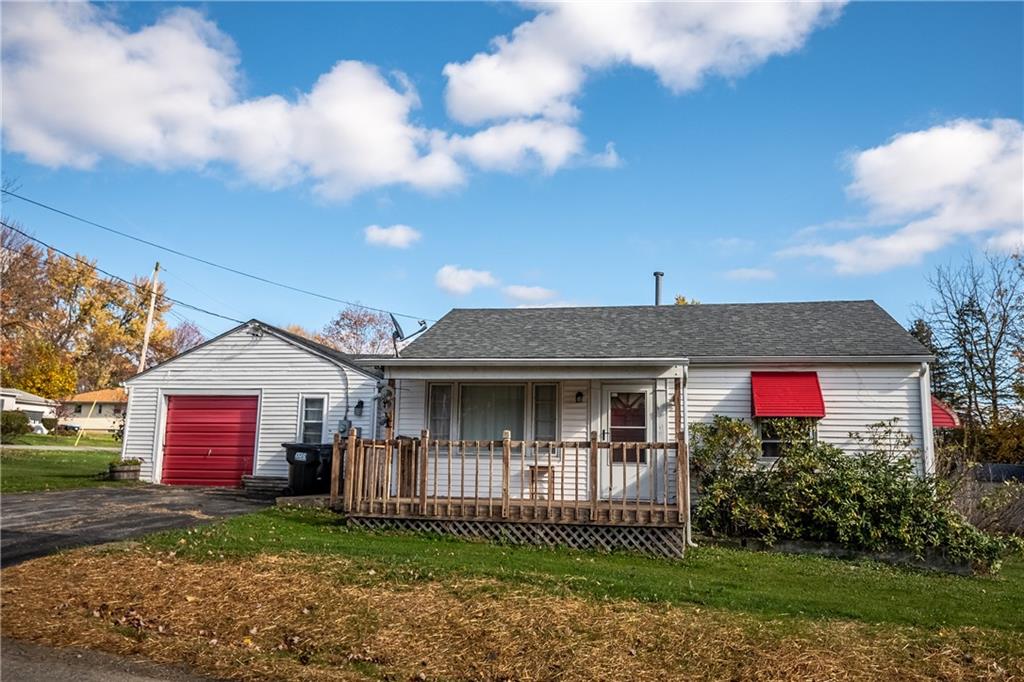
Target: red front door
209,440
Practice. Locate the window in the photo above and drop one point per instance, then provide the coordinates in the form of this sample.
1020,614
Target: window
99,409
487,410
78,408
628,422
773,443
545,412
311,427
439,419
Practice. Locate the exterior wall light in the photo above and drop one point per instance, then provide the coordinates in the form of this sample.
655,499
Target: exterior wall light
579,396
359,409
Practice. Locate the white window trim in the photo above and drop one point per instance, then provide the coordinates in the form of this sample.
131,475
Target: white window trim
302,415
455,428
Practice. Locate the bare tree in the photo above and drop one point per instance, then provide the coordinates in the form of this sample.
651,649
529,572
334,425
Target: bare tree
977,318
186,335
358,331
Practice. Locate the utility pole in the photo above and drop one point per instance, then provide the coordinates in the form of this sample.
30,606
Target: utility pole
149,319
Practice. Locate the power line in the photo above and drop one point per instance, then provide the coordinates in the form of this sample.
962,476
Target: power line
116,277
204,261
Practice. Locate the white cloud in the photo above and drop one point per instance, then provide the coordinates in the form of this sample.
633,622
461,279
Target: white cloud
396,236
461,281
750,274
733,243
510,146
961,179
532,294
1011,241
80,88
540,69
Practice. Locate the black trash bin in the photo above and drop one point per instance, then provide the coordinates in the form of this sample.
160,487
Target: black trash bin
309,467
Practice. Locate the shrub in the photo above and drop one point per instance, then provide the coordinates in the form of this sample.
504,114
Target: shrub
12,425
815,492
49,423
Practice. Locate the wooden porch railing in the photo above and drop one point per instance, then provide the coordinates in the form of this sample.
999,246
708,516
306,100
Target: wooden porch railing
555,481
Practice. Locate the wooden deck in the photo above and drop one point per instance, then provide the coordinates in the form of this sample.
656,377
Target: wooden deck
603,494
608,495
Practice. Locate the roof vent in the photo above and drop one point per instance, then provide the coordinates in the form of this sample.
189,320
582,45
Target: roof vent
657,287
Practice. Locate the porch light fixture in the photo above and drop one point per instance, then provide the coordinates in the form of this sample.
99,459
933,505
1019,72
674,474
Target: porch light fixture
359,409
579,396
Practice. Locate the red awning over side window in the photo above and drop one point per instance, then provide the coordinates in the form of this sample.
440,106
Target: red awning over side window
943,416
786,394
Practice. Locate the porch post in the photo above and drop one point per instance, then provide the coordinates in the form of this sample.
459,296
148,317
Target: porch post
592,476
335,470
350,469
506,460
424,448
682,454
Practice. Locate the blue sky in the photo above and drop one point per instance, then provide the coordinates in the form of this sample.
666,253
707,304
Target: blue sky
842,155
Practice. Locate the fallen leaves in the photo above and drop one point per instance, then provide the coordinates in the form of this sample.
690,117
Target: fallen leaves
304,618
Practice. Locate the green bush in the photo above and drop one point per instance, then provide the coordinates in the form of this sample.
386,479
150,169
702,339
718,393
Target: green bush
49,423
12,425
815,492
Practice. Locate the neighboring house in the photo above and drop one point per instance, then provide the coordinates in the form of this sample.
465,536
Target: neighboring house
100,410
35,407
221,410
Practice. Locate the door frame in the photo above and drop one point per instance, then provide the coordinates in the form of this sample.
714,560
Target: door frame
604,421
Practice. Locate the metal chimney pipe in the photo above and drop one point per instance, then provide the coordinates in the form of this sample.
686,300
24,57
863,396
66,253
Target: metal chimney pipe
657,287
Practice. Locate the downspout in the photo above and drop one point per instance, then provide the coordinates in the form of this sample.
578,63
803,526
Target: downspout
686,438
927,431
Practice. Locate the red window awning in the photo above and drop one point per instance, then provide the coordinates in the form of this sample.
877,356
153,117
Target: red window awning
787,394
943,416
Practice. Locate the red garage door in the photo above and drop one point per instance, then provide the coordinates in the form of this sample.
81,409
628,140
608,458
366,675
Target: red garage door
209,440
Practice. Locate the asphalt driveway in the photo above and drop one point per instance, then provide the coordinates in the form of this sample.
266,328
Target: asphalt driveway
36,524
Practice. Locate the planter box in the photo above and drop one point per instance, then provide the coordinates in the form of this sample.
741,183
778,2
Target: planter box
125,472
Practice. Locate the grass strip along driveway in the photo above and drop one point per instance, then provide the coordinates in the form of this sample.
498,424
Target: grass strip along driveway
292,594
37,470
87,440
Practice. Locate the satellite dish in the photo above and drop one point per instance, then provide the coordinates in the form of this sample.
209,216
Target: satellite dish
399,334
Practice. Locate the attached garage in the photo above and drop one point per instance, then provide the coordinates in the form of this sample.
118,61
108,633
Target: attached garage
221,410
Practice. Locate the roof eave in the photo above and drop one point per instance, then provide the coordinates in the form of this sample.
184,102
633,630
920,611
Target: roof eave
529,362
807,359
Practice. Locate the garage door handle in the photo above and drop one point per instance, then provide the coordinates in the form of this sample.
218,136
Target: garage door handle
209,452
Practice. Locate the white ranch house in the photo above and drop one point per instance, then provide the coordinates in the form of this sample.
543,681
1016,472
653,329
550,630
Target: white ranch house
541,420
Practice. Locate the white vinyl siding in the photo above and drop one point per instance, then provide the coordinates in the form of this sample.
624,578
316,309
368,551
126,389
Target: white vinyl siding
855,396
240,363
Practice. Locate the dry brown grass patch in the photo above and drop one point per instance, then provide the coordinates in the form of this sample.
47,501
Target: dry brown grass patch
296,617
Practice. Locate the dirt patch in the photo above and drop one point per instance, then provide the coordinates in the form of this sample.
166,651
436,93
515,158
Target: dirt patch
297,617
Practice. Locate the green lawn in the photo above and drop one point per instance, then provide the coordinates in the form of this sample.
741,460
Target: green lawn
88,439
33,470
772,585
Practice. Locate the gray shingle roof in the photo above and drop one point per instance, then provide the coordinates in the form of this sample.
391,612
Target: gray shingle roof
318,347
826,328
